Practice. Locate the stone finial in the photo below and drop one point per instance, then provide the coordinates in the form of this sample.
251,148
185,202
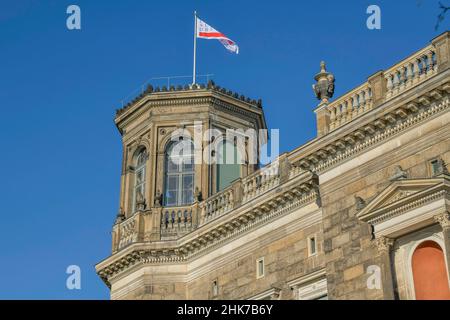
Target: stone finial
149,88
324,88
211,84
398,174
360,203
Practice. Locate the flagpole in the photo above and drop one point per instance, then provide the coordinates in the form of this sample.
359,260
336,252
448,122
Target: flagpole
195,46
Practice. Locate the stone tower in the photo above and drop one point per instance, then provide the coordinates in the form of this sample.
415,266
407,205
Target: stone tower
159,199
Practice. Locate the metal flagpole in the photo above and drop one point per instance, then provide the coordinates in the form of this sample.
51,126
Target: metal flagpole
195,45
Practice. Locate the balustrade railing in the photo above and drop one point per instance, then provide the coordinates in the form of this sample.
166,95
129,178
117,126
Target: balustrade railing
404,75
176,220
410,71
261,181
350,105
218,204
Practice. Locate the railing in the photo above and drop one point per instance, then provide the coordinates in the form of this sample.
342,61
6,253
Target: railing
261,181
128,232
350,105
411,71
404,75
175,221
218,204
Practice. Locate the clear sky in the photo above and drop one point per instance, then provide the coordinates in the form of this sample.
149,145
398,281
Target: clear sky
59,89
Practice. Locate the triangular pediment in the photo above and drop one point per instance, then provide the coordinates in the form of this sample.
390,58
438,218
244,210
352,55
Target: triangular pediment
398,192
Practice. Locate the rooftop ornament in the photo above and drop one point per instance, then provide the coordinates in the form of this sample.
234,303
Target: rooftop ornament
324,88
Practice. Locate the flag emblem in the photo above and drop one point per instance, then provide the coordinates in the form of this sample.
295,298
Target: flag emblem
205,31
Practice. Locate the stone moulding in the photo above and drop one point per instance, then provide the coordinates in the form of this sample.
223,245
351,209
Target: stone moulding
164,95
225,228
381,129
403,196
203,98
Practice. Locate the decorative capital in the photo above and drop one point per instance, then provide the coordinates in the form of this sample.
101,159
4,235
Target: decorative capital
384,244
324,88
443,219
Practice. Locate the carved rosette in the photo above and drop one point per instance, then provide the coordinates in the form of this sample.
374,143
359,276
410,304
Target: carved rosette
384,244
444,220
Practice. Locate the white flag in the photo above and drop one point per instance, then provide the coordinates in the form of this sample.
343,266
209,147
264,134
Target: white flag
205,31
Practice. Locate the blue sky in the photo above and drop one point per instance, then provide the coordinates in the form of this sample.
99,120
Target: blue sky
59,90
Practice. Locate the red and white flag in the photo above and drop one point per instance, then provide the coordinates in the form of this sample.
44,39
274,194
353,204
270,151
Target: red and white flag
205,31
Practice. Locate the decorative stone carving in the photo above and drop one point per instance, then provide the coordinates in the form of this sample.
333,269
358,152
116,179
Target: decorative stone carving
360,203
120,216
158,199
443,219
384,244
198,195
398,174
324,89
140,201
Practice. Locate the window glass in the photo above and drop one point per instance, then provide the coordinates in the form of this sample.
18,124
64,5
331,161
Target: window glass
179,175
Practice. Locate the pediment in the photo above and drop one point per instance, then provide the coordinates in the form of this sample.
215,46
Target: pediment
400,192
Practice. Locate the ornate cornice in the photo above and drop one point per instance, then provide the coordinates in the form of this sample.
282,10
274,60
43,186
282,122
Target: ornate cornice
170,99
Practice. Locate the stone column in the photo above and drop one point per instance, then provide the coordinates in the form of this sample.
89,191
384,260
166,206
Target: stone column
444,220
384,246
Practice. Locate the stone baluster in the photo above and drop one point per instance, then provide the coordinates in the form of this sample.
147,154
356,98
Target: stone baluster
430,62
344,112
355,105
390,85
416,72
409,73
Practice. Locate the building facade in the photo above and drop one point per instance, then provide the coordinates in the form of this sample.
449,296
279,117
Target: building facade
360,212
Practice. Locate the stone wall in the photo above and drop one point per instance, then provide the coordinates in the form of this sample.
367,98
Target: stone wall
347,241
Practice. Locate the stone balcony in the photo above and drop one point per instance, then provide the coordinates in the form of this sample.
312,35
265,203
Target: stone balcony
175,222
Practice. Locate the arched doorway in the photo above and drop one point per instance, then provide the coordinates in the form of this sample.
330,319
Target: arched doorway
430,272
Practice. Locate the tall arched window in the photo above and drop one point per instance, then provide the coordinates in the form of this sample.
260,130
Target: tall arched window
430,272
139,182
228,164
179,176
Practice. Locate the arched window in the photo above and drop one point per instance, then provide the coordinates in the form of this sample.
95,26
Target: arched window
228,164
139,182
179,173
430,272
